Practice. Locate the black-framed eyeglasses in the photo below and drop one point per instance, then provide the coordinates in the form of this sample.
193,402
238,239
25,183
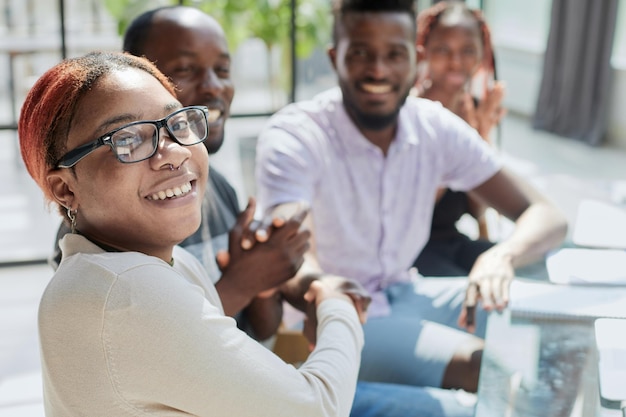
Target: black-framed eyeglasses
139,140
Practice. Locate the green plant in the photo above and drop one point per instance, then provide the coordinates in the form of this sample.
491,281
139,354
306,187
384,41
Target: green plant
268,20
124,11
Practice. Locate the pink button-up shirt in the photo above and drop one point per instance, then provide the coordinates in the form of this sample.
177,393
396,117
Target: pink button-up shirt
371,212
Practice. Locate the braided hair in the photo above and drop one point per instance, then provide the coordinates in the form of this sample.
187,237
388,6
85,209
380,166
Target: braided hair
429,18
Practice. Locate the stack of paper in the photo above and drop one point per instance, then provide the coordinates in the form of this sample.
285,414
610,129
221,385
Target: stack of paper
600,225
574,302
581,266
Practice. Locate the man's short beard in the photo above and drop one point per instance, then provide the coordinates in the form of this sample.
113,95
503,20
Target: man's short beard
373,121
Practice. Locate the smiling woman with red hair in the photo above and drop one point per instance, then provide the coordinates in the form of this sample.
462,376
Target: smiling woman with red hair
47,112
130,324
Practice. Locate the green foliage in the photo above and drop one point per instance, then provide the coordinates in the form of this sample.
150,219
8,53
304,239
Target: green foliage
124,11
268,20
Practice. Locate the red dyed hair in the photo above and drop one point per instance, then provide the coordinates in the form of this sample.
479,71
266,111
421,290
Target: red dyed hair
428,19
47,112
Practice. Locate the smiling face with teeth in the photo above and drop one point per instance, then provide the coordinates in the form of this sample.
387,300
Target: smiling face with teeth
145,206
375,61
190,48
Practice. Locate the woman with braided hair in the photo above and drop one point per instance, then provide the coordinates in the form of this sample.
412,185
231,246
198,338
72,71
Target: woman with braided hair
455,54
455,51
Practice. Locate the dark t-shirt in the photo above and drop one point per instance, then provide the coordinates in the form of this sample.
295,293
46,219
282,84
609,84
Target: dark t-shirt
448,210
220,209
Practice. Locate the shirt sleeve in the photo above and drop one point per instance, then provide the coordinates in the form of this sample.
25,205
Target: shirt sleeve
468,159
286,161
171,343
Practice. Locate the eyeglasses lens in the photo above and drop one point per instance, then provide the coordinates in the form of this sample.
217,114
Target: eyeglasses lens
188,126
140,140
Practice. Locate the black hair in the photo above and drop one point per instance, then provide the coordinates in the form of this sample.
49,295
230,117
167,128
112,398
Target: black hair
138,31
343,7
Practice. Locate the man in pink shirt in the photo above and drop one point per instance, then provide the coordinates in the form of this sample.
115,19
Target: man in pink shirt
368,160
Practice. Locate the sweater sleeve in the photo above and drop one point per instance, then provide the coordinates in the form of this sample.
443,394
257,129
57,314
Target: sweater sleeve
168,346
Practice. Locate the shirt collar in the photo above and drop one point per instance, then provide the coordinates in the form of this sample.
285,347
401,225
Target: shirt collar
73,243
356,143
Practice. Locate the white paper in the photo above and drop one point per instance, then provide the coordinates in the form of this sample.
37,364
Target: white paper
582,266
600,225
544,299
612,358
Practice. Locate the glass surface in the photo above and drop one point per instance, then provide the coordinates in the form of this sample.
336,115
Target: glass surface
538,367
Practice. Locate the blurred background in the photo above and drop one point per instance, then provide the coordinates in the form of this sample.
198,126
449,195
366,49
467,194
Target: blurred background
563,58
278,49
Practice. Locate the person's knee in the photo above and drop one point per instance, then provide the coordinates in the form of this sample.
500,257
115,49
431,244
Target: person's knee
464,368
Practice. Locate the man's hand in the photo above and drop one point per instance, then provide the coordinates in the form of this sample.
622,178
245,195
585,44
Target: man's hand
331,286
489,282
253,267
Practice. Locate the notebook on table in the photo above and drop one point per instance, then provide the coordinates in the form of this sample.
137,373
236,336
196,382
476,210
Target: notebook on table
537,299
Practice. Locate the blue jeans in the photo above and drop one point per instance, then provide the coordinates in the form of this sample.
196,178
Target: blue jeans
374,399
414,344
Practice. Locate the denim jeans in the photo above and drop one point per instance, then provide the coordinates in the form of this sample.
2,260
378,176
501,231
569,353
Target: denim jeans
374,399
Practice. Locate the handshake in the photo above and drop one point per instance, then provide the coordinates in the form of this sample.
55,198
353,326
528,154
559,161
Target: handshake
269,261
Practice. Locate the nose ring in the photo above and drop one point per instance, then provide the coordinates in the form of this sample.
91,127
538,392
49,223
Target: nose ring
172,168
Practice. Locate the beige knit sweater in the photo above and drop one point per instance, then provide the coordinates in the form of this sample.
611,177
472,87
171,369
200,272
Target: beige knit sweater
126,334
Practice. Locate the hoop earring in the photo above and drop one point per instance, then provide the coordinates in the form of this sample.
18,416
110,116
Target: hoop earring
71,214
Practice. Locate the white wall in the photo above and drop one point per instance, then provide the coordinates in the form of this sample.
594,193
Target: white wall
519,31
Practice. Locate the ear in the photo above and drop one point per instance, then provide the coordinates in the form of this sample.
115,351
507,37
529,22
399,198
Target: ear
61,184
420,53
332,55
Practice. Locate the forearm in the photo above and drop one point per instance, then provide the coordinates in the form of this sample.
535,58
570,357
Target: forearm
264,315
478,210
293,290
234,297
483,228
540,228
